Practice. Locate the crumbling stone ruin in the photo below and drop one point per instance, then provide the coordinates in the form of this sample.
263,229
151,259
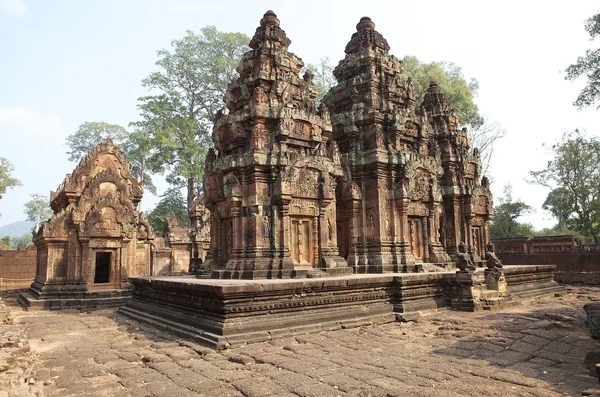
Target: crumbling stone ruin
95,240
373,180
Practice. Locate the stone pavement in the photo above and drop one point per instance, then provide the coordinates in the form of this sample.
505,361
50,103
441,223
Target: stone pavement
16,358
536,349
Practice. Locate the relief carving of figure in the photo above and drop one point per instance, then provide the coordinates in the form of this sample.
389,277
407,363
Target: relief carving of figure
266,228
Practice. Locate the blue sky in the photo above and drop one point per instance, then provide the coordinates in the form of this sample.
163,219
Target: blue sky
64,62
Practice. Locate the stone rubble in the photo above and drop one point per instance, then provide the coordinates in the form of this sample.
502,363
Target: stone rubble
16,359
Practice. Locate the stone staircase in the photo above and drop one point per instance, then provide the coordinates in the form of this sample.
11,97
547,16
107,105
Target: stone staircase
33,300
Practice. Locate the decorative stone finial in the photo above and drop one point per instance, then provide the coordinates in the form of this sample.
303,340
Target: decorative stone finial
269,19
433,87
364,24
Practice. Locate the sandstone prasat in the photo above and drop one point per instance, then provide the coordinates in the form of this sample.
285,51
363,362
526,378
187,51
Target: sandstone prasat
315,216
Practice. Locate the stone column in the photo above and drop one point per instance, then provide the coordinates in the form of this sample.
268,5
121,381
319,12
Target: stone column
86,263
406,257
426,239
354,225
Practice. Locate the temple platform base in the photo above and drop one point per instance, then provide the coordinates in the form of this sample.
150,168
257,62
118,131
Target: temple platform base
70,296
228,313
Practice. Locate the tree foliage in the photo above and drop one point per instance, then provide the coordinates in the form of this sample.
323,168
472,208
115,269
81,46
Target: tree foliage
134,145
138,148
506,213
19,242
37,210
189,89
5,243
6,180
323,78
588,65
172,204
90,134
573,176
452,82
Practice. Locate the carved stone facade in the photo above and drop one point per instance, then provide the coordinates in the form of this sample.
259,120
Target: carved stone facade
96,239
375,178
412,189
271,179
200,234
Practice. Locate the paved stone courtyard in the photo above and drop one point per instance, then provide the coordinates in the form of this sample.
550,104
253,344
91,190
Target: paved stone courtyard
536,349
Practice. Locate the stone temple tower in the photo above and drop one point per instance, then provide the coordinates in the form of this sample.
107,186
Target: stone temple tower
271,179
407,196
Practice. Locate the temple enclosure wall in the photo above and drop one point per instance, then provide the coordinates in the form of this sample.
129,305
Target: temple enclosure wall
17,268
575,262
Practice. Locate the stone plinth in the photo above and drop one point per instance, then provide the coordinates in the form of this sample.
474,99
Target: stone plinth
226,313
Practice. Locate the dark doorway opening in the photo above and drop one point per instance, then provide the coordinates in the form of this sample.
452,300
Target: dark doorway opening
102,272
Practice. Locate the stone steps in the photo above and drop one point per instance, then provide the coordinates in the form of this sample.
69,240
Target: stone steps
89,300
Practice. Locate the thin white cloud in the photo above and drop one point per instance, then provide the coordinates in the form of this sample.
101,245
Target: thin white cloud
13,7
30,120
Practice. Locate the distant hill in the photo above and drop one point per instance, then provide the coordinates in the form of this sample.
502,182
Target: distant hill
17,229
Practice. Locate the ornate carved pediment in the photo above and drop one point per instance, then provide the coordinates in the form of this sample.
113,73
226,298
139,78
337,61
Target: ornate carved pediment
419,185
104,158
55,227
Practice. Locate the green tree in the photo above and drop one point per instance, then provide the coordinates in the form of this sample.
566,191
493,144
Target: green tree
5,243
506,213
6,180
135,145
90,134
573,176
452,82
22,241
323,76
189,87
560,204
138,148
588,65
172,204
37,210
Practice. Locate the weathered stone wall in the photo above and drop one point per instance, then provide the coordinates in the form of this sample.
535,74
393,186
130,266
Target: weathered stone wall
17,268
575,263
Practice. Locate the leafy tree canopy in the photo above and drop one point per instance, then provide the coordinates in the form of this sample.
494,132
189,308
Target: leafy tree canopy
506,213
452,82
23,241
90,134
323,78
573,176
588,65
134,145
38,210
172,204
6,180
188,91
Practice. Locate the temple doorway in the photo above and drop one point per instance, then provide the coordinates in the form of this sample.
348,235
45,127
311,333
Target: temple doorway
415,232
102,267
301,247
